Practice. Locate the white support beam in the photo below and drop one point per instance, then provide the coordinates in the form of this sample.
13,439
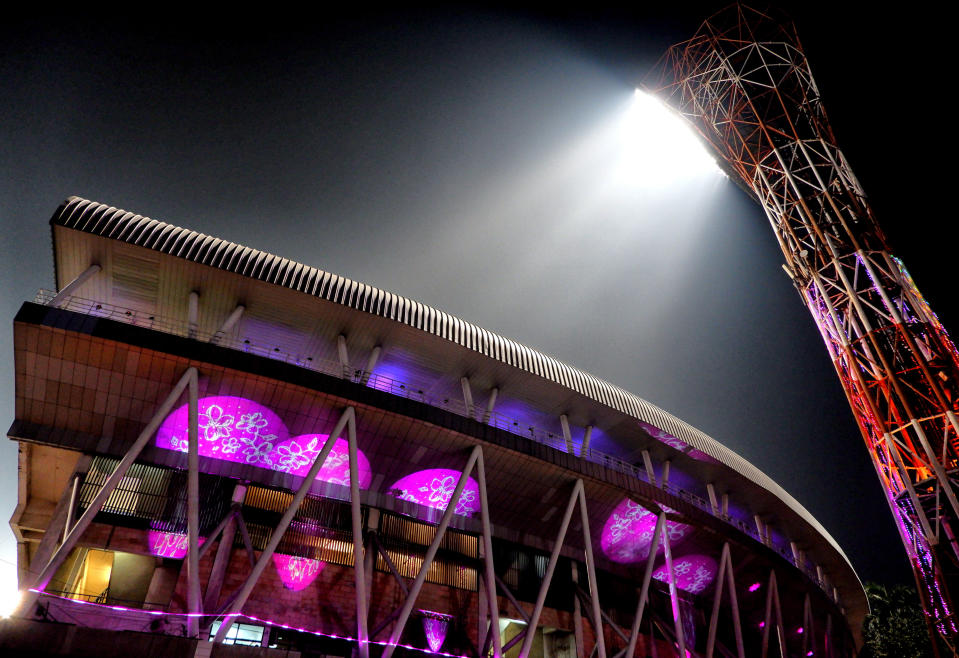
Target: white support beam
773,607
713,502
591,574
193,314
550,568
410,601
587,435
223,552
69,289
490,404
194,604
665,478
359,564
725,504
489,572
644,592
30,598
673,593
725,574
60,522
371,364
760,528
228,324
567,435
650,472
243,593
74,488
577,615
467,395
344,356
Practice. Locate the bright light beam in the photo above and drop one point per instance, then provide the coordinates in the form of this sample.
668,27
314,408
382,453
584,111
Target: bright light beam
658,148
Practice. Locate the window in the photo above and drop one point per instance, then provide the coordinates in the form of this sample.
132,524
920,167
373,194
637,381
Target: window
245,634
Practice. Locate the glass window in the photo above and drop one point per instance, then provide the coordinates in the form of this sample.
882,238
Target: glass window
245,634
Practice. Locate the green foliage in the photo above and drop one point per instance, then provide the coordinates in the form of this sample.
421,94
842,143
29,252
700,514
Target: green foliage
896,628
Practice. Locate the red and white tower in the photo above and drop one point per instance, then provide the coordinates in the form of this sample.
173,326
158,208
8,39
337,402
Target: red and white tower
743,81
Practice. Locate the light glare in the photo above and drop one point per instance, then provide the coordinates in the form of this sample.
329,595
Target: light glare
659,148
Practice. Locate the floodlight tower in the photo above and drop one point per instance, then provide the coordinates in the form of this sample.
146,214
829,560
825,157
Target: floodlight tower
743,81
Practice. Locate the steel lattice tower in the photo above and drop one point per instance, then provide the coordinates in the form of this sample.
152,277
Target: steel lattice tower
743,81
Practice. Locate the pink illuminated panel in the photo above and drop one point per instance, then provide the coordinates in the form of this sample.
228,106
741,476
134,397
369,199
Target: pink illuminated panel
434,627
231,428
694,573
239,430
296,456
297,572
169,544
434,488
628,533
674,442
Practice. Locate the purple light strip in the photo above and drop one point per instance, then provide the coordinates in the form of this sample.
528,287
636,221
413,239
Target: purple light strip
251,617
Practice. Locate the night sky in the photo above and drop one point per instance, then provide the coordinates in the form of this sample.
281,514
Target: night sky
443,154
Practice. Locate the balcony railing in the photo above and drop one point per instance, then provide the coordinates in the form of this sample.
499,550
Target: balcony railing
404,389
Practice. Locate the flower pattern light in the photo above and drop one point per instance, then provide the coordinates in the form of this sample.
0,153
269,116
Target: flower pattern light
694,573
169,544
297,573
434,488
231,428
628,533
674,442
296,456
239,430
435,626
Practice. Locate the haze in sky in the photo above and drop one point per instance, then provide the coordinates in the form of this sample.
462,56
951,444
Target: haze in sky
489,164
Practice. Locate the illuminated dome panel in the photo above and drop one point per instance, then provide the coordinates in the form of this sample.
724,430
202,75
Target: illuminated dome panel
628,534
296,456
240,430
297,573
434,488
674,442
694,573
231,428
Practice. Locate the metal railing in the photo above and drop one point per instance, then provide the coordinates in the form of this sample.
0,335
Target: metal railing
404,389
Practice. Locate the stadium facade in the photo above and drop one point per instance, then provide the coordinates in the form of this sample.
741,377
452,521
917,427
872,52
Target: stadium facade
218,443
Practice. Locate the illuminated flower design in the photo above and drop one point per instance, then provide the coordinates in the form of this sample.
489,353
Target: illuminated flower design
674,442
434,488
259,438
169,544
297,455
435,626
247,440
295,572
694,573
628,534
215,424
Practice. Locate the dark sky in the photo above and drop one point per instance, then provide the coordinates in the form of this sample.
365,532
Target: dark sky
433,152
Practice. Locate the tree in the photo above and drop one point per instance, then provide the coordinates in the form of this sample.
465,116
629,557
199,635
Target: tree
896,627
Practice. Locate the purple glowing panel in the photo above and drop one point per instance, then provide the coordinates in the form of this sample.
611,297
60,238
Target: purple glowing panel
694,573
169,544
296,456
628,533
434,488
297,572
231,428
674,442
434,627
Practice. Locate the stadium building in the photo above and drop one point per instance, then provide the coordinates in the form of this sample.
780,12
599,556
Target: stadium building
219,443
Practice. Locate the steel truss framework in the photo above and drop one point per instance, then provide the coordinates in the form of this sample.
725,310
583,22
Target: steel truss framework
63,535
743,81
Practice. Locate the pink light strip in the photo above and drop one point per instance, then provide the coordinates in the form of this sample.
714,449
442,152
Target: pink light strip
250,617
